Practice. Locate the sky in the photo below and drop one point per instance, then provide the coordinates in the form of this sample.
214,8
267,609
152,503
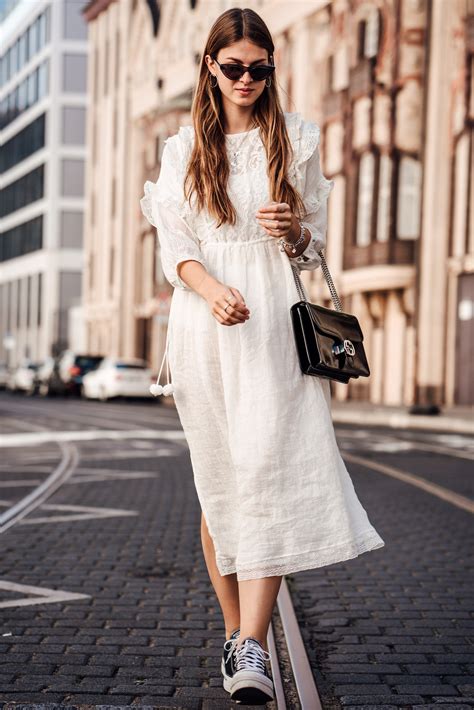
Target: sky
5,5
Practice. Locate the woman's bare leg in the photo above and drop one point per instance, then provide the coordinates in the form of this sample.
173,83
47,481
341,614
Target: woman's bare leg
226,587
257,601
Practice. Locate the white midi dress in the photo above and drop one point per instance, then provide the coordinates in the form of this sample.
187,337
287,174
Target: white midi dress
273,488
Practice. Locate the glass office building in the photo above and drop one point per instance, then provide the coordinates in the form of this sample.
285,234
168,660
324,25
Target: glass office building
43,70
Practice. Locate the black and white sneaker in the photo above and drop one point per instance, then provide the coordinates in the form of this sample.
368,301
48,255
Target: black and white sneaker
251,683
228,659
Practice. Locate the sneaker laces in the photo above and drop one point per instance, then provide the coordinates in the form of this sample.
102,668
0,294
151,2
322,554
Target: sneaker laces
230,645
250,655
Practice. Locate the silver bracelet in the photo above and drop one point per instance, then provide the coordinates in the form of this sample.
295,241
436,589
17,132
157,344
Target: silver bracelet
293,245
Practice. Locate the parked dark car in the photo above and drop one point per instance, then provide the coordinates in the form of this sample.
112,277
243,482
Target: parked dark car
67,372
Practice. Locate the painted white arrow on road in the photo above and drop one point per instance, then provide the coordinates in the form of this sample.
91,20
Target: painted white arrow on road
42,595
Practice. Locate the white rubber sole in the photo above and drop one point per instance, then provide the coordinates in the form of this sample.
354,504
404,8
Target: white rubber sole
227,682
251,687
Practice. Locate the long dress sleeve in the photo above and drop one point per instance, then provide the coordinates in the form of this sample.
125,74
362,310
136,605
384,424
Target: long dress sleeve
315,195
165,207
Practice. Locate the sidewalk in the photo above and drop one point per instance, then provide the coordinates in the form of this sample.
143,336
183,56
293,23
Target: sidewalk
459,420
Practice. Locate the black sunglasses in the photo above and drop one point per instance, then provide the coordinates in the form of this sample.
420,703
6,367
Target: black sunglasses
236,71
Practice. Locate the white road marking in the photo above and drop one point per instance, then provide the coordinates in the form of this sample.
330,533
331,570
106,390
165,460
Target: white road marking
439,491
85,471
78,512
109,456
21,483
24,466
401,420
461,447
43,437
44,595
117,476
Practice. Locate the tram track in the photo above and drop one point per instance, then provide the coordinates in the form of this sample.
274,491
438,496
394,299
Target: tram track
293,678
58,476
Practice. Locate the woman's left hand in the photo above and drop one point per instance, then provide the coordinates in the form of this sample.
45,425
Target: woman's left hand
278,220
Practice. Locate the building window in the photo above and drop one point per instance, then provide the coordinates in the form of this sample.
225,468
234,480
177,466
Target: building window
75,26
369,34
43,80
460,235
22,192
31,90
384,195
23,239
43,28
33,44
71,229
75,73
409,199
23,144
74,125
72,178
365,199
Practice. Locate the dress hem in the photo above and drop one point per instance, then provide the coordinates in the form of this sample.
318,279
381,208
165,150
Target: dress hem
308,560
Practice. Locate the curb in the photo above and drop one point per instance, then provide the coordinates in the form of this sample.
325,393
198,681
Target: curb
403,420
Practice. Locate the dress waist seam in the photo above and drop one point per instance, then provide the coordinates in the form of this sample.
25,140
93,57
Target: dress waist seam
238,243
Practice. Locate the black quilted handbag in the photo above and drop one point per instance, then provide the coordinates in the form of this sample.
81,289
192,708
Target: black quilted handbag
329,341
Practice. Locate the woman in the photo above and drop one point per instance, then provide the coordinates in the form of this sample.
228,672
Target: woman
240,197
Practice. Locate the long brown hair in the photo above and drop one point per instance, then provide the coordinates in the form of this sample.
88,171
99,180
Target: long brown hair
208,168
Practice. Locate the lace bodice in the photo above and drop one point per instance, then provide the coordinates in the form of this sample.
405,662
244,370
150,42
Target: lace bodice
182,231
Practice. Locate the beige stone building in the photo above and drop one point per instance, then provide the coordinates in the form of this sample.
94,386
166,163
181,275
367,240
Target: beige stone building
391,84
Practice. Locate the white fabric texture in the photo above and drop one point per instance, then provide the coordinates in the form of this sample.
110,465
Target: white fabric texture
272,485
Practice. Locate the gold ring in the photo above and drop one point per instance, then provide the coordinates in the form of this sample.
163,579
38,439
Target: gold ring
225,309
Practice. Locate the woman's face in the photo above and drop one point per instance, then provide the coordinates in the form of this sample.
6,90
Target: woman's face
241,52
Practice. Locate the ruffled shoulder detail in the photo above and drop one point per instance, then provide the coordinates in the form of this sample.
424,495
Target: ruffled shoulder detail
304,137
168,189
186,133
185,138
146,202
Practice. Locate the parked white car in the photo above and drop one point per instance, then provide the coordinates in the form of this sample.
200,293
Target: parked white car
23,379
117,378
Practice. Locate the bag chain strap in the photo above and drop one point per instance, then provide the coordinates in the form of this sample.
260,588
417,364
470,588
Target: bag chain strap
329,281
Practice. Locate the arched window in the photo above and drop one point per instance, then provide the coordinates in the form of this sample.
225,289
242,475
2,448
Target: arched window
409,198
384,195
369,33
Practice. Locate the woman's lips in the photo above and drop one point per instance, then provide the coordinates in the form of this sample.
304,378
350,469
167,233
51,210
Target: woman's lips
245,91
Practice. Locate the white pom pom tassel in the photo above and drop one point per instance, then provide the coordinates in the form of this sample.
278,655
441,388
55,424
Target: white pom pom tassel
157,389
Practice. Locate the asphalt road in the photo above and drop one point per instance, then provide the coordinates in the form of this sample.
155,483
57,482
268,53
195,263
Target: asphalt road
104,594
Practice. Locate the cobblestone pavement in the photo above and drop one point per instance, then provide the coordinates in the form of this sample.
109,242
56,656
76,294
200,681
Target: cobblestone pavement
393,627
389,629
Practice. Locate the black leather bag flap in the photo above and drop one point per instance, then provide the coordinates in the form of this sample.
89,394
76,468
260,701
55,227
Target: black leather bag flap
327,320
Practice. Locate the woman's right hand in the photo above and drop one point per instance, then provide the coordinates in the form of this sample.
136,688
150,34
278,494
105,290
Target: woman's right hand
218,296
